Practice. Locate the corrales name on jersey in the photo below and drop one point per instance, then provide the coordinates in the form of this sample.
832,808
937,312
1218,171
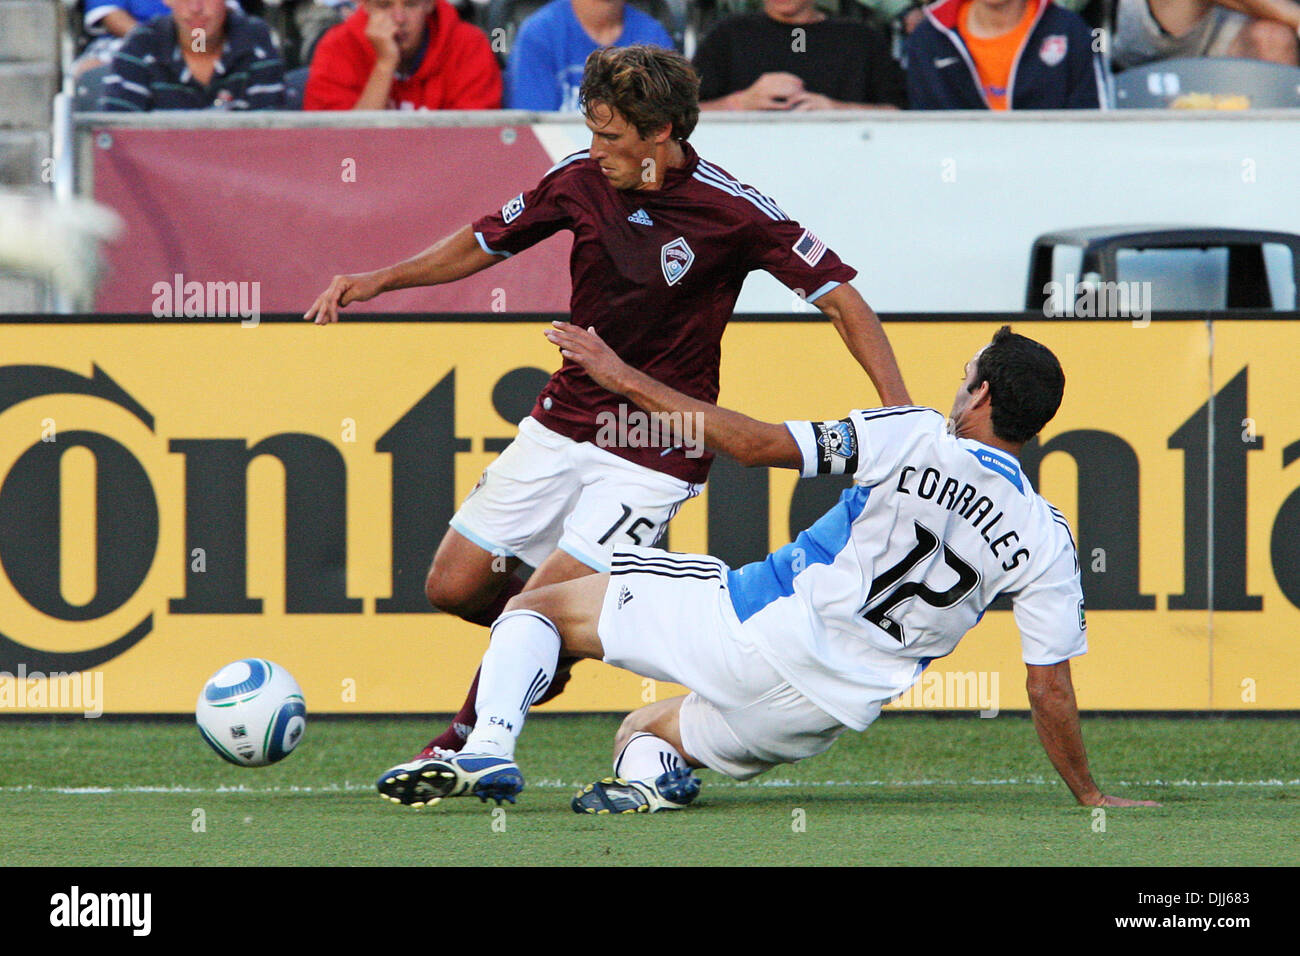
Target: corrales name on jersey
637,429
961,497
75,908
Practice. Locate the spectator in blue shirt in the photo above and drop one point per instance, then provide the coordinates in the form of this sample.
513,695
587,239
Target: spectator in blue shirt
108,22
205,55
545,66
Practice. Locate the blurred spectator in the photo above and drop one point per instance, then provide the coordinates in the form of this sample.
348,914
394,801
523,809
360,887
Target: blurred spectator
791,56
108,22
906,15
403,54
1002,54
1147,30
204,55
551,49
314,18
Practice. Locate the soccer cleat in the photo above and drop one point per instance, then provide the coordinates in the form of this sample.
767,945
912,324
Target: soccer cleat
438,753
673,790
448,742
424,781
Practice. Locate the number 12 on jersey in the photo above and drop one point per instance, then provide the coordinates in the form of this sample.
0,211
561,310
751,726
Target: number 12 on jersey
887,594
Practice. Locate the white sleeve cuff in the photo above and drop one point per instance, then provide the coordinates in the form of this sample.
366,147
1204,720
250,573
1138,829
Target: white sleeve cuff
802,432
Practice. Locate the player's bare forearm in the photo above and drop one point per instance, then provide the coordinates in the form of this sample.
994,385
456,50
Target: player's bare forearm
1056,718
451,258
865,337
745,439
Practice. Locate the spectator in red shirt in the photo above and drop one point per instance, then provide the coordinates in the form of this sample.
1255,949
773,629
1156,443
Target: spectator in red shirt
403,54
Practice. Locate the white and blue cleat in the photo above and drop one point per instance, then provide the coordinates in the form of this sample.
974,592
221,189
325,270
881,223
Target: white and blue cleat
673,790
424,781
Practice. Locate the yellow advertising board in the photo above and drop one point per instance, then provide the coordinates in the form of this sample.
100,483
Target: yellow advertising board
175,496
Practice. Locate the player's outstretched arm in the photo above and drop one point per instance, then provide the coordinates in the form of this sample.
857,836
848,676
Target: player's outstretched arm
1056,718
745,439
863,334
451,258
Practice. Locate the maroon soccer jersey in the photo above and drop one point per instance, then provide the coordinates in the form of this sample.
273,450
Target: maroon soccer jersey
657,273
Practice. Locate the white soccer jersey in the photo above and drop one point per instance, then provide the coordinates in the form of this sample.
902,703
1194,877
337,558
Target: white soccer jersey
892,577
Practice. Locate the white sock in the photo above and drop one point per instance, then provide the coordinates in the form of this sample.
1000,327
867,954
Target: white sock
517,668
646,757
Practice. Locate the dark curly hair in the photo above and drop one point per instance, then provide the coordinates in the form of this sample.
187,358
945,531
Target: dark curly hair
648,85
1025,384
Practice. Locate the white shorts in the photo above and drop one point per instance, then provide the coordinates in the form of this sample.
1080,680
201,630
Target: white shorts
546,491
669,617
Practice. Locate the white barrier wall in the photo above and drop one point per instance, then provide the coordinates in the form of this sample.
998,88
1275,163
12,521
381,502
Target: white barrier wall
937,211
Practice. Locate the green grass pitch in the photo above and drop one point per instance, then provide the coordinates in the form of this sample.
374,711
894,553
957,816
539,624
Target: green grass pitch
915,789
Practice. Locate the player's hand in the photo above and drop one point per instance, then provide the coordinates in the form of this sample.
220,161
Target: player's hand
342,291
772,91
811,101
381,31
1101,800
589,350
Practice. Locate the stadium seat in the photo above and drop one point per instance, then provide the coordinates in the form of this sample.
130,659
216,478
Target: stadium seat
295,84
89,86
1188,267
1208,83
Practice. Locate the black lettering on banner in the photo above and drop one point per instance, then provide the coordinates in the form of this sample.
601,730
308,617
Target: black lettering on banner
315,524
1229,483
423,445
1109,513
926,543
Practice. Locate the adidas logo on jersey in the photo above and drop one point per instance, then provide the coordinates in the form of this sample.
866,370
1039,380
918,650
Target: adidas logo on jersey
623,597
641,218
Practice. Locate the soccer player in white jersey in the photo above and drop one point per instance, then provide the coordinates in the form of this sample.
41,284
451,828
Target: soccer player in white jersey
783,654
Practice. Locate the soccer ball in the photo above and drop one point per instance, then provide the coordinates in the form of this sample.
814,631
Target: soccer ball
251,712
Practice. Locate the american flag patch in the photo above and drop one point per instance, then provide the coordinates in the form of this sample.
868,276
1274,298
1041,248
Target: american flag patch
809,248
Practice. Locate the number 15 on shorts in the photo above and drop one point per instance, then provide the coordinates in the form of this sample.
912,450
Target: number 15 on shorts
635,530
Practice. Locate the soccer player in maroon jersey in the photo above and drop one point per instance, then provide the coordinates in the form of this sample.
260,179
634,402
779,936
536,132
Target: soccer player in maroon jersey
662,243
